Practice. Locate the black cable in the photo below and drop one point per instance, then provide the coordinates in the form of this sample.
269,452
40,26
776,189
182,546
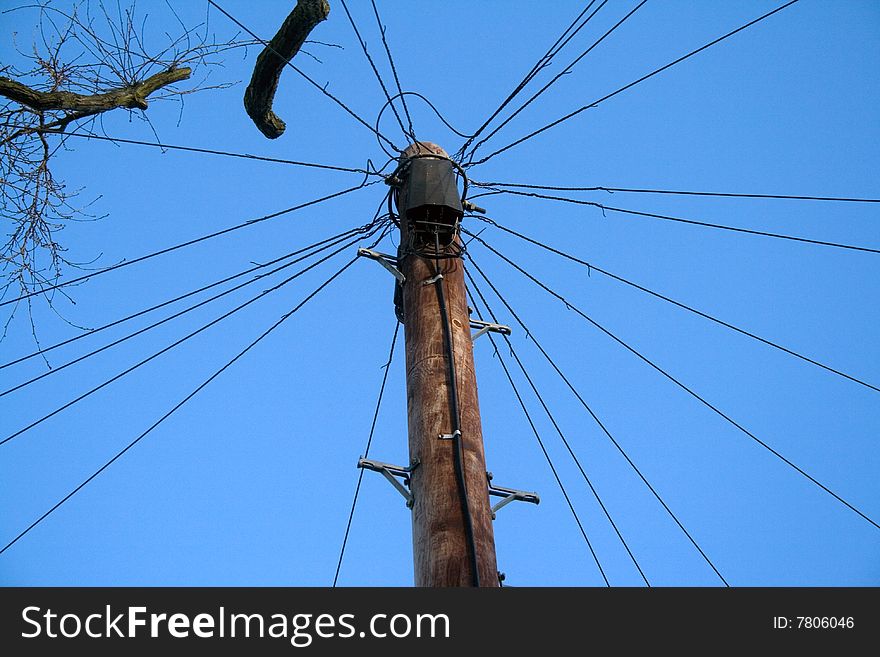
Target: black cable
411,131
178,405
45,350
556,78
567,35
591,267
126,263
363,45
546,454
595,103
542,62
492,193
191,149
317,86
683,387
455,412
403,94
181,312
555,424
631,190
692,222
360,478
599,422
176,343
329,242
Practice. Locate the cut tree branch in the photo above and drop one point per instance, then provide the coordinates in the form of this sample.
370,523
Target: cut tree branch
132,97
260,93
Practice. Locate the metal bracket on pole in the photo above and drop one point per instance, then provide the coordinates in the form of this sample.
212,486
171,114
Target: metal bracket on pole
470,207
509,495
388,261
432,280
487,327
390,472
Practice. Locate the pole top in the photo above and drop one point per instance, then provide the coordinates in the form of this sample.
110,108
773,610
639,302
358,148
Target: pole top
423,148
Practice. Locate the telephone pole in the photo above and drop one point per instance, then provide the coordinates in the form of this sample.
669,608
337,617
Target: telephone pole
453,539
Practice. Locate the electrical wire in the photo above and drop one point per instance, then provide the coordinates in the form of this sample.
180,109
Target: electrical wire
178,405
556,78
631,190
45,350
208,151
302,74
169,249
692,222
591,267
542,62
411,132
402,95
681,385
555,424
176,343
360,478
546,454
363,45
181,312
599,422
595,103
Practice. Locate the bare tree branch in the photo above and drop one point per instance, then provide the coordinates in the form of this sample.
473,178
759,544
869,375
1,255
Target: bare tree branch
131,97
85,61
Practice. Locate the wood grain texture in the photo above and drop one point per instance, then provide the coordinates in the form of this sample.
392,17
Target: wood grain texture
440,547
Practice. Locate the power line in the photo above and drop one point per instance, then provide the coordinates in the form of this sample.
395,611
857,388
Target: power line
631,190
595,103
176,343
559,75
403,95
592,267
45,350
599,422
181,312
363,45
317,86
564,39
126,263
556,426
544,60
178,405
684,387
360,478
692,222
546,454
394,71
191,149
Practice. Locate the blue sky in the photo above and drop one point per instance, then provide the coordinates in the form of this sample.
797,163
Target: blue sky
251,481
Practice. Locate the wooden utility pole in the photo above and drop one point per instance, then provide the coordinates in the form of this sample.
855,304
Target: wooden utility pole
451,514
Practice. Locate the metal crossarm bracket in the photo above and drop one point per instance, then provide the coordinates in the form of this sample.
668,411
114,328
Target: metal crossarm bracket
388,261
509,495
487,327
390,472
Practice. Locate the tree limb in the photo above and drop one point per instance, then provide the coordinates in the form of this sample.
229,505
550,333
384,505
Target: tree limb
132,97
260,93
